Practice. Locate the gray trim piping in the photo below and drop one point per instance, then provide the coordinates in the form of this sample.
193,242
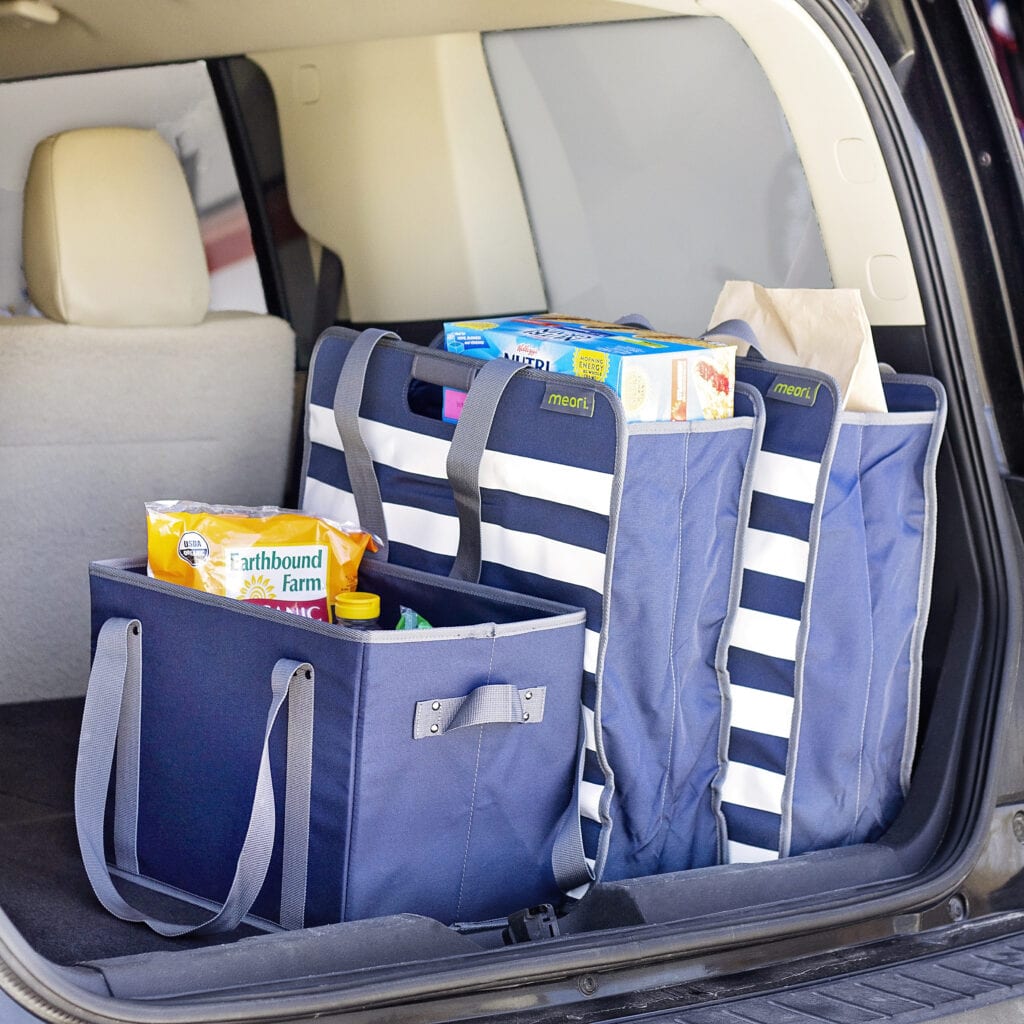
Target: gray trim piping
615,506
690,426
924,588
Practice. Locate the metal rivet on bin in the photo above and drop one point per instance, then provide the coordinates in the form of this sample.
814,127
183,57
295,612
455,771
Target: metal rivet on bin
436,706
526,716
309,675
434,728
528,695
135,630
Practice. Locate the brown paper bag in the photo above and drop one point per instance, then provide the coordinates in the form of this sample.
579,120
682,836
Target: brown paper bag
825,329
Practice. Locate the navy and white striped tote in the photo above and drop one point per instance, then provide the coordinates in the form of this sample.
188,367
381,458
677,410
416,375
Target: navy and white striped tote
820,657
634,523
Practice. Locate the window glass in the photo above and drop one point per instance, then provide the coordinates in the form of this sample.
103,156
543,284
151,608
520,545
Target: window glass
656,164
176,100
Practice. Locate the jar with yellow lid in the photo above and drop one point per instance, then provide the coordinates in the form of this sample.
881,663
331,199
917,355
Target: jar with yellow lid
357,609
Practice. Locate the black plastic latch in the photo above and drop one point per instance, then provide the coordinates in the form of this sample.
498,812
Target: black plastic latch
531,925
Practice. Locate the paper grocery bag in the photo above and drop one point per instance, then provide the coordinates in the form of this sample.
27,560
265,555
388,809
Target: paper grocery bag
825,329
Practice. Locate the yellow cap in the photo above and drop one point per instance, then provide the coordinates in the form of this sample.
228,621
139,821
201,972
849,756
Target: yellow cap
356,604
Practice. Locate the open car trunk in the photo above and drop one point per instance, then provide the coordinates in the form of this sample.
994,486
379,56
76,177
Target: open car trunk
645,933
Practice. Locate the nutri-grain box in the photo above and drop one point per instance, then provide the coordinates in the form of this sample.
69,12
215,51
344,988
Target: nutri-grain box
657,376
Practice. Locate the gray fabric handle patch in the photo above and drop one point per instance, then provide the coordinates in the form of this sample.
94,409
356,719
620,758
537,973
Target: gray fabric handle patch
492,704
117,669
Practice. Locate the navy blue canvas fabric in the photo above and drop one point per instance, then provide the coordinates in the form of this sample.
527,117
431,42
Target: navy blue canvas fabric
456,825
661,707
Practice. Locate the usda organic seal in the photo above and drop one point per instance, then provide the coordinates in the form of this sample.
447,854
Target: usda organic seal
193,548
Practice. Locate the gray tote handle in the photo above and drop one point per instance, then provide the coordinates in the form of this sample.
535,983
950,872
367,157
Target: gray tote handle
115,683
568,859
736,329
348,398
465,455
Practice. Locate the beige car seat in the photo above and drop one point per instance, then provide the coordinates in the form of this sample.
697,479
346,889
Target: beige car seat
127,390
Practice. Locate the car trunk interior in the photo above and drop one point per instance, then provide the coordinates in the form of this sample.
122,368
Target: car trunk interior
43,886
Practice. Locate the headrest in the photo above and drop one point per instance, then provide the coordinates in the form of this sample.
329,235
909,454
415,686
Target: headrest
110,235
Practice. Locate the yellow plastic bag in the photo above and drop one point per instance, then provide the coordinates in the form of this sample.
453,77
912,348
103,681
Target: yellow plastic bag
269,556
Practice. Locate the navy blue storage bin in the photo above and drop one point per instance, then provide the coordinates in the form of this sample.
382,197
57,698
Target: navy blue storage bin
420,772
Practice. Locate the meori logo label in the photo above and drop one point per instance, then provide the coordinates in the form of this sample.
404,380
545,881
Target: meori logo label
796,392
792,390
567,399
572,401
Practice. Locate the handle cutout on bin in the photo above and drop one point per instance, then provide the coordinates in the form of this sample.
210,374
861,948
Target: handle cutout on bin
492,704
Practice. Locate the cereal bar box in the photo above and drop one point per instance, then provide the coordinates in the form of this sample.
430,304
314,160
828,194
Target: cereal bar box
657,376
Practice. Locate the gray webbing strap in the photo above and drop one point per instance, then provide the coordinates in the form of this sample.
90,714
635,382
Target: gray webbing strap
118,667
298,787
491,704
126,792
568,858
348,397
465,454
735,329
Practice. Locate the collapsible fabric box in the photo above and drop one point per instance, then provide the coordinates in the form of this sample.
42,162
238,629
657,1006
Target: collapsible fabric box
635,523
420,771
820,658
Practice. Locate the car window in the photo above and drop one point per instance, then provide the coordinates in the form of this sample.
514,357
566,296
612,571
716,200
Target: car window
656,163
179,102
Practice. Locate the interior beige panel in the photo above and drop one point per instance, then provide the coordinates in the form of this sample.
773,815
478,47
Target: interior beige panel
397,160
91,35
860,223
853,196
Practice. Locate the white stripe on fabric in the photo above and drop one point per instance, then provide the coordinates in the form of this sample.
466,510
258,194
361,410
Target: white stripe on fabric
428,531
786,477
591,646
749,786
741,853
323,428
410,452
590,800
776,554
772,635
403,450
554,559
770,714
589,729
320,499
550,481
